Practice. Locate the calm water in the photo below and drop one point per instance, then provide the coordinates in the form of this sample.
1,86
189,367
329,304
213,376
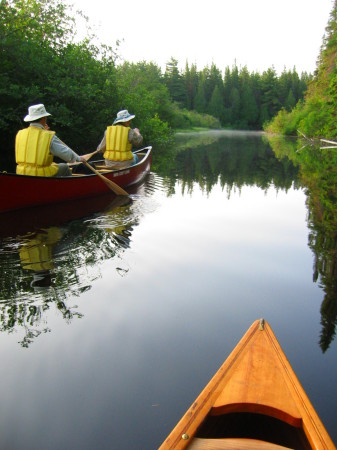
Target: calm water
114,316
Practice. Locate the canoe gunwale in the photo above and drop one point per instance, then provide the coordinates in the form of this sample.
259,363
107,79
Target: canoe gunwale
23,191
217,396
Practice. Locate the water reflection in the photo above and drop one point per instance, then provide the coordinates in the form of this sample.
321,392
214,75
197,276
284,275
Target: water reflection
234,159
318,173
53,254
45,267
157,292
237,159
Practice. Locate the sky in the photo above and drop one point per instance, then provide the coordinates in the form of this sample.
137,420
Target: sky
259,34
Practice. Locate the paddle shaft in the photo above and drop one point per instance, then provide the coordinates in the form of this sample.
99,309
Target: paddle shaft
329,142
90,155
113,186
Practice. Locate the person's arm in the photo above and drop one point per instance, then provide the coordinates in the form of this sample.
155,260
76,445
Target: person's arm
62,151
102,146
134,136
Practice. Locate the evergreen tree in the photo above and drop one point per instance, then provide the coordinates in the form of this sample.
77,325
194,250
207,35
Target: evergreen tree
215,106
270,103
235,106
216,79
249,112
227,86
200,98
174,82
290,101
190,77
285,84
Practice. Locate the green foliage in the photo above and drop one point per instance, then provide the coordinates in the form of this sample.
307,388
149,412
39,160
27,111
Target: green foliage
316,116
142,91
77,81
175,83
41,63
157,131
83,88
184,119
190,78
239,99
287,123
249,111
200,99
215,106
317,173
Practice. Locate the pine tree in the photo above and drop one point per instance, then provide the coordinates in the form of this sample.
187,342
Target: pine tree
270,103
200,99
174,82
215,106
249,112
190,78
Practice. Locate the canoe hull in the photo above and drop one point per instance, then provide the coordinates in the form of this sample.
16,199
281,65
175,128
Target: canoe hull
256,382
20,191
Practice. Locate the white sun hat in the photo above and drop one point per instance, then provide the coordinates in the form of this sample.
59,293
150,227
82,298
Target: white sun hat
123,116
36,112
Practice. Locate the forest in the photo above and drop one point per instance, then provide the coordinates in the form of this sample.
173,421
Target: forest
315,116
84,84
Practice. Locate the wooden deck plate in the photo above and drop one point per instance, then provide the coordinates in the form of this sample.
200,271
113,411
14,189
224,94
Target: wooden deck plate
256,377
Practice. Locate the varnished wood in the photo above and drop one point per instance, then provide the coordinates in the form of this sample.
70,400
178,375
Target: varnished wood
111,184
257,383
255,378
233,444
104,167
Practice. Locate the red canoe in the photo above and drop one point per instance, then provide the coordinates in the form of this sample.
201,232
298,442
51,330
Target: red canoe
21,191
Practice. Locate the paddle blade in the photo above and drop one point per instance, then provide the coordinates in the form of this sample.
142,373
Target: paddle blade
113,186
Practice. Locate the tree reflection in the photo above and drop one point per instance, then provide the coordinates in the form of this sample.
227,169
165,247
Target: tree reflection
233,159
238,159
45,266
318,173
43,269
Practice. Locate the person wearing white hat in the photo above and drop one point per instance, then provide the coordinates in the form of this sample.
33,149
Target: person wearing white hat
118,140
36,146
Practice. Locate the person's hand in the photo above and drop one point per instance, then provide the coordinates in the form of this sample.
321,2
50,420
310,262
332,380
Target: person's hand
136,130
83,158
87,156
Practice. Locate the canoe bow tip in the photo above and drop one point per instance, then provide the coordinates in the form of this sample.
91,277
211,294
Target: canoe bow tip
257,379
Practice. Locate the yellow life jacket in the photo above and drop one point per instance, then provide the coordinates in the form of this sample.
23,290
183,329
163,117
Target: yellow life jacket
32,152
36,254
118,147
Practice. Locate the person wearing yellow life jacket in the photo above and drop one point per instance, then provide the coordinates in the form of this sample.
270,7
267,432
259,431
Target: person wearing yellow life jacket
36,146
118,140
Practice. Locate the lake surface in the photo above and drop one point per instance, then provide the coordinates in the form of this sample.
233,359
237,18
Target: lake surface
114,316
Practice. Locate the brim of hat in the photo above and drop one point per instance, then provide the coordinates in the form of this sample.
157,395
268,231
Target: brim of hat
29,118
124,120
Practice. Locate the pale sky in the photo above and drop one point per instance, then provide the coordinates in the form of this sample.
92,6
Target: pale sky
258,34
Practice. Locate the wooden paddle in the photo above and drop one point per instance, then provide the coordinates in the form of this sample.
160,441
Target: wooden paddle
111,185
90,155
329,142
87,156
